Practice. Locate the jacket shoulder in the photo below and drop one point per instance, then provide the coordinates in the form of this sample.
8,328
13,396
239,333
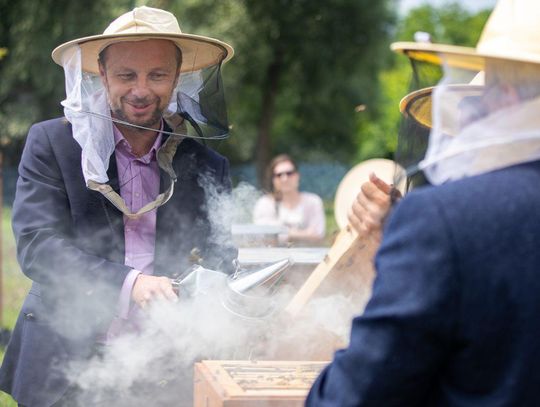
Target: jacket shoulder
490,188
502,202
57,124
57,130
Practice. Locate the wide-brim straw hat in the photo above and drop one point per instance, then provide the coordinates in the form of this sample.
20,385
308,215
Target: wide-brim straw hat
511,33
418,104
145,23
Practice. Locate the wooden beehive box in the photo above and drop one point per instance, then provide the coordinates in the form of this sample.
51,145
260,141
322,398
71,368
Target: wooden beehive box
223,383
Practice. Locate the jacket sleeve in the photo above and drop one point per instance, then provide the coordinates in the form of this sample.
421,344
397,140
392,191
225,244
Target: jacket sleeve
400,343
44,234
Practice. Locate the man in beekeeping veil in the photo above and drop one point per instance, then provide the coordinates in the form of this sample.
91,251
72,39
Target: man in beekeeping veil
112,199
453,316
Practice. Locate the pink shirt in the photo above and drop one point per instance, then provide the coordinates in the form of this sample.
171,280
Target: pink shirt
139,184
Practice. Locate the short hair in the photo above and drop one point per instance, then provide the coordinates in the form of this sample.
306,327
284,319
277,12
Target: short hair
102,57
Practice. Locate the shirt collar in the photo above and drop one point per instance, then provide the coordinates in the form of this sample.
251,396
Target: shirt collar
122,144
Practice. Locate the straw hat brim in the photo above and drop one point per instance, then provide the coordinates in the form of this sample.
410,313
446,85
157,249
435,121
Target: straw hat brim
460,57
197,51
439,54
418,104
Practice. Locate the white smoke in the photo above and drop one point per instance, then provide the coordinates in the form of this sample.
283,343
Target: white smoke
132,369
154,367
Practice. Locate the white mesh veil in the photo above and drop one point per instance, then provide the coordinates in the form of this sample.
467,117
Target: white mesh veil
474,129
480,129
197,109
416,119
87,109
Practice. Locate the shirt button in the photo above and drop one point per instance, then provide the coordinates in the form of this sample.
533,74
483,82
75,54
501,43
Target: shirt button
137,194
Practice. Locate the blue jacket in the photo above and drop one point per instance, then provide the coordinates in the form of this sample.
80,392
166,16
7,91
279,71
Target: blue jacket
453,318
70,243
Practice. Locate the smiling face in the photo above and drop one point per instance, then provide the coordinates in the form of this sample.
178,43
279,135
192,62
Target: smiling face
285,178
140,77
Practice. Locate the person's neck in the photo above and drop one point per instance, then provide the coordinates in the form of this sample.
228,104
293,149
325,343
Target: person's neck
290,198
140,140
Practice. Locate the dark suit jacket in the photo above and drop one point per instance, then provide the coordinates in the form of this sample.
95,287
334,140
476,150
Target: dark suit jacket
453,319
70,243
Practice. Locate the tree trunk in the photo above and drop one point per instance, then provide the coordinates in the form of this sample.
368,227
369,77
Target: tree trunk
263,145
1,241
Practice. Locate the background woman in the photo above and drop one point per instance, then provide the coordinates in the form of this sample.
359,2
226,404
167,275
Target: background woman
301,212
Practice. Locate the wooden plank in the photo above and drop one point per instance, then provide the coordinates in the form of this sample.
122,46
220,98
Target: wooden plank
226,383
206,391
346,269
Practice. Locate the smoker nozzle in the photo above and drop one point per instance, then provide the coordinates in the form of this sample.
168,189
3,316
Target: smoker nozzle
248,294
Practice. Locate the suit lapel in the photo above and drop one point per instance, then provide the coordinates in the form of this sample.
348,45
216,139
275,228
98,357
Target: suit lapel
112,173
114,217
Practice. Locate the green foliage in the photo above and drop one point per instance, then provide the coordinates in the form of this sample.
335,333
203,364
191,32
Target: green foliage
378,126
377,129
324,56
14,289
15,283
6,400
316,60
448,24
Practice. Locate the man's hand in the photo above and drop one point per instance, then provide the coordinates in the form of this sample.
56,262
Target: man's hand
152,288
371,207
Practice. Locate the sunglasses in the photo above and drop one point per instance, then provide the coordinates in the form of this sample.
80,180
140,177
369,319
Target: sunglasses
287,173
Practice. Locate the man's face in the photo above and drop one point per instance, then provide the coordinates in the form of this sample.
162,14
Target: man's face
140,77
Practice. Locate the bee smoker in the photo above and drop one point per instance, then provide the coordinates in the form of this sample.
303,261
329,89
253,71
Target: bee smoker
248,294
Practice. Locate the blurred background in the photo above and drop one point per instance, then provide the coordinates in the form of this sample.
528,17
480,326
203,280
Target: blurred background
311,78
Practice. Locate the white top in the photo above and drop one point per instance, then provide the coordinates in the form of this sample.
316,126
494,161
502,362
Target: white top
310,256
308,215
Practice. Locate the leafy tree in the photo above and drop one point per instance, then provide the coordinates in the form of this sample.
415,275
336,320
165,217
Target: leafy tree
32,85
378,127
316,60
448,24
299,70
301,66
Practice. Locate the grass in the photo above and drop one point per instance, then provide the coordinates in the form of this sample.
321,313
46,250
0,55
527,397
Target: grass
15,287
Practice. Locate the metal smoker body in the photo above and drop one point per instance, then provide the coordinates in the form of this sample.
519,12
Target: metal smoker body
246,294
